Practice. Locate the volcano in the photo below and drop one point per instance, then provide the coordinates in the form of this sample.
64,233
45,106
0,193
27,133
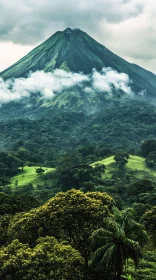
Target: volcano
74,50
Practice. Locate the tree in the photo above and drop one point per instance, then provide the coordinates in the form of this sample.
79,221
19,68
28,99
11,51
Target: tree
8,164
148,146
149,220
4,181
113,249
121,159
147,266
75,176
70,216
141,186
39,170
133,229
24,155
151,160
49,260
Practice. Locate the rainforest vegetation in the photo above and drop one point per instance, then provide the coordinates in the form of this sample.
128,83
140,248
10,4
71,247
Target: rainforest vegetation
73,202
75,223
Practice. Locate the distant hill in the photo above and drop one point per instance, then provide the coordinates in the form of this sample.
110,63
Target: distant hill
135,164
74,50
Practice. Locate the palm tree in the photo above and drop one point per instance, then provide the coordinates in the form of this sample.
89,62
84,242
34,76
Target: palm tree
133,229
113,249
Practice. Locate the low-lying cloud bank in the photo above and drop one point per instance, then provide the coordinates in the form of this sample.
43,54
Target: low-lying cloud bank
47,85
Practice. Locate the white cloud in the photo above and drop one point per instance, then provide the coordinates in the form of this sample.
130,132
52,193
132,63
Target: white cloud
133,38
49,84
109,79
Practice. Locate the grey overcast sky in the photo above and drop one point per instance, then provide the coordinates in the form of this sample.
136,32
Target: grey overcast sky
127,27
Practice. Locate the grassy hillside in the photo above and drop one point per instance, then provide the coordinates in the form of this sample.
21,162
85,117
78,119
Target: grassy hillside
29,175
135,164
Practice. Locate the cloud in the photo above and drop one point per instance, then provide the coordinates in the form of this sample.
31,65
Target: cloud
134,37
27,21
47,85
109,79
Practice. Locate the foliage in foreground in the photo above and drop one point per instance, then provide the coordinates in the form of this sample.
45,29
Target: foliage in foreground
47,260
74,235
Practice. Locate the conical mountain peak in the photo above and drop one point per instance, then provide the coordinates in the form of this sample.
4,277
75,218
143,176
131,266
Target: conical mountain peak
68,30
74,50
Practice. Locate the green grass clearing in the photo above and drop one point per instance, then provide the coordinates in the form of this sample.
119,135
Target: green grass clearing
29,175
135,164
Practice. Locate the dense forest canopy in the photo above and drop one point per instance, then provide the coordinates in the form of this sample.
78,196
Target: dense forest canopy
96,228
125,124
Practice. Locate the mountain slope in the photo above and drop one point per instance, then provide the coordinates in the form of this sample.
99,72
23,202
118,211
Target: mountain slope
76,51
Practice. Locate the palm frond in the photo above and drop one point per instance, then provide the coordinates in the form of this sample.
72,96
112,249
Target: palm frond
99,253
100,237
134,250
108,256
